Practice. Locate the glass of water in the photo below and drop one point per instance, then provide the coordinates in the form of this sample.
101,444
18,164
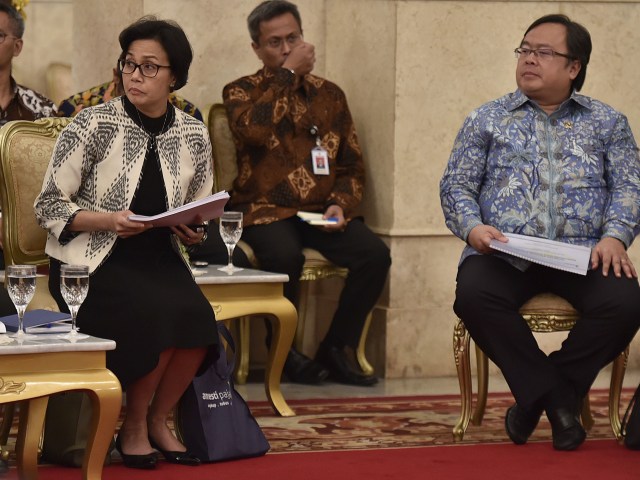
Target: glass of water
230,231
21,287
74,286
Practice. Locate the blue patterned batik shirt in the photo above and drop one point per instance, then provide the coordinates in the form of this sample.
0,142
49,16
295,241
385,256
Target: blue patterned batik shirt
572,176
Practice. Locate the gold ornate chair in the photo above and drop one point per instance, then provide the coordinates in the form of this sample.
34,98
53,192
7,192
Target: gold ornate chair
544,313
315,267
25,151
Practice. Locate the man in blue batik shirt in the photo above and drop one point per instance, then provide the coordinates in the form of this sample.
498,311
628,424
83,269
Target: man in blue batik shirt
546,162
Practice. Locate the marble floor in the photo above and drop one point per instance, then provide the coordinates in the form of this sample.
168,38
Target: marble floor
254,390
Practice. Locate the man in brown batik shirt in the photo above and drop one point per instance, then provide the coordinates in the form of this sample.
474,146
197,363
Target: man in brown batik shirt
298,151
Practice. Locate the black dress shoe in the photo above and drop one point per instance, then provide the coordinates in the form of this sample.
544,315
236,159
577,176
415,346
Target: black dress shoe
144,462
520,423
337,362
566,429
181,458
301,369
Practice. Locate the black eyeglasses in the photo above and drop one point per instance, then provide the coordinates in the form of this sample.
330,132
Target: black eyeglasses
3,36
540,53
292,40
147,69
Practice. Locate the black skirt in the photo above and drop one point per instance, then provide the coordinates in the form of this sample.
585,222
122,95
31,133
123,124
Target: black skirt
143,295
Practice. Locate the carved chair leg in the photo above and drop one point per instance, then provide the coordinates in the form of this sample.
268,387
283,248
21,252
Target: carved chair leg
587,417
615,389
461,356
482,363
302,315
8,412
366,367
244,342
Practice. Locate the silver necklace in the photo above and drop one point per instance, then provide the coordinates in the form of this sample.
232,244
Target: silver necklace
152,137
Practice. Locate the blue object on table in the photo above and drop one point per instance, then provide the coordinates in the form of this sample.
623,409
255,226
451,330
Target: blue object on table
35,318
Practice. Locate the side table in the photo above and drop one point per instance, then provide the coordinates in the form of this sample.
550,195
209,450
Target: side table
32,370
254,292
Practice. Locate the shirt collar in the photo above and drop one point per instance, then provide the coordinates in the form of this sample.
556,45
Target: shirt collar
14,86
517,99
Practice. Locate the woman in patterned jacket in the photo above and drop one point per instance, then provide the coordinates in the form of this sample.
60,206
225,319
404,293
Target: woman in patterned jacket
136,154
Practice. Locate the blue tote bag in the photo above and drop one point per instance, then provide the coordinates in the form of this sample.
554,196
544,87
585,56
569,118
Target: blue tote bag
212,419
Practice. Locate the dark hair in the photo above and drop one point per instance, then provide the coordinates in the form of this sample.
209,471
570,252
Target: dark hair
16,20
578,43
268,10
172,38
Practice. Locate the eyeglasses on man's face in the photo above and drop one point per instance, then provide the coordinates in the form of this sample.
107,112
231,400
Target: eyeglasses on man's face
542,54
4,36
147,69
277,42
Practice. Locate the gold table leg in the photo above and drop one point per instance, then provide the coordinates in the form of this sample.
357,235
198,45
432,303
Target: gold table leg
237,300
33,377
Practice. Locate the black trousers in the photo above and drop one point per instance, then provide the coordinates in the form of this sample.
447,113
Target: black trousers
489,294
278,247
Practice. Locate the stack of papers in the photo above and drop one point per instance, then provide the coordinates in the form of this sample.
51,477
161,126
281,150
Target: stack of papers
550,253
39,321
207,208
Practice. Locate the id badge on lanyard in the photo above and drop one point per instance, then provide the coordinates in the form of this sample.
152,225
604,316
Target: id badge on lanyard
319,156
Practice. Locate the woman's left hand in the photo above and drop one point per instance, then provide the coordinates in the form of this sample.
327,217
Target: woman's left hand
190,235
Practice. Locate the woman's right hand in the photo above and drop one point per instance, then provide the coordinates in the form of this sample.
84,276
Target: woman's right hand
124,227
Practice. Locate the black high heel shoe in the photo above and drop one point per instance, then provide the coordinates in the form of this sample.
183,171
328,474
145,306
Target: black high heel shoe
181,458
144,462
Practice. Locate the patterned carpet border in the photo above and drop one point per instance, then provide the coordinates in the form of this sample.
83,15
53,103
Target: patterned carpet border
401,422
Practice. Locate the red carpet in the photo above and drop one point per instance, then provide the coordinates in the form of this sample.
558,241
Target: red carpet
597,459
400,422
398,438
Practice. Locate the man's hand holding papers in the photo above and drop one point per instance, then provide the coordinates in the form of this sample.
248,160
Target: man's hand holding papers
560,255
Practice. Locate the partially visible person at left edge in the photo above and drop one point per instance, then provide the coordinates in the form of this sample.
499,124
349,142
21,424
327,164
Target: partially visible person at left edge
136,154
17,102
545,161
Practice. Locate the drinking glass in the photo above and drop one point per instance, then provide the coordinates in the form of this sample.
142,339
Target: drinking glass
74,286
21,287
230,231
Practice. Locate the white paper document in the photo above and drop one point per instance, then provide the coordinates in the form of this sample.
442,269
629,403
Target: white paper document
313,218
208,208
550,253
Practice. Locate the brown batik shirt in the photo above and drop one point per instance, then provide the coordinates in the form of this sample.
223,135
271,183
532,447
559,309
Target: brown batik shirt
26,104
271,124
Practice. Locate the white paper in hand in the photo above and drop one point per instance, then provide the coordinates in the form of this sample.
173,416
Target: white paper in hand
208,208
550,253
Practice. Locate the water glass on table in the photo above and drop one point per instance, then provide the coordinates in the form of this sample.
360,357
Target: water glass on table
74,286
230,231
21,286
